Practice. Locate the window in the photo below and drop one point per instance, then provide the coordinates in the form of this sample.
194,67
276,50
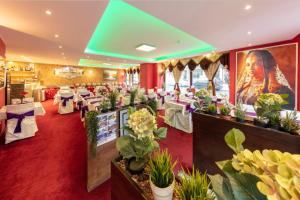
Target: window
135,78
127,79
185,80
169,80
221,82
199,78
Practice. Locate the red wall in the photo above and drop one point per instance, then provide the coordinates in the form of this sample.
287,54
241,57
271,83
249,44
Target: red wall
148,75
233,66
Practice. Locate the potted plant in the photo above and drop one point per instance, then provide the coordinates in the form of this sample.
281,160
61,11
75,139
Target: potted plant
152,103
211,109
267,174
133,94
162,178
141,140
143,99
202,93
289,123
194,186
225,111
113,96
91,124
104,106
240,113
267,108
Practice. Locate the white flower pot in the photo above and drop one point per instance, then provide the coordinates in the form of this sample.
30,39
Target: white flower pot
162,193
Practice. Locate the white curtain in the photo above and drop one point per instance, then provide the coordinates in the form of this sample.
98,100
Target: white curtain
210,73
177,75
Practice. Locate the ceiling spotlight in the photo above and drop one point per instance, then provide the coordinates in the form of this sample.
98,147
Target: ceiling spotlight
56,35
249,44
248,7
60,47
62,53
145,47
65,58
249,32
106,64
48,12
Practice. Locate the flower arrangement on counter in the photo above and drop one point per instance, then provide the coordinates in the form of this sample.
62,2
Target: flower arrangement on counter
267,174
202,93
141,140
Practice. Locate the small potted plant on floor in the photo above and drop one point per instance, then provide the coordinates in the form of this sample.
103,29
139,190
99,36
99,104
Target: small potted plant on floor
104,106
225,111
194,185
133,94
141,140
113,96
240,112
162,179
289,123
91,124
267,108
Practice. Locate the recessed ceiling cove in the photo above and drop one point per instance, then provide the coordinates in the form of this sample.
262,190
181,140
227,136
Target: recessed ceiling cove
123,27
103,64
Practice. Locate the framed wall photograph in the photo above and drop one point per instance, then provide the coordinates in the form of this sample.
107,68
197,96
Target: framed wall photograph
271,69
110,75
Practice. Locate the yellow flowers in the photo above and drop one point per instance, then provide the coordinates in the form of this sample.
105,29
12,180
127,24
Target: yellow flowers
143,123
270,99
202,93
279,172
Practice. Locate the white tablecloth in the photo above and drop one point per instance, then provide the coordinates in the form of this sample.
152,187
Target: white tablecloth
177,115
38,110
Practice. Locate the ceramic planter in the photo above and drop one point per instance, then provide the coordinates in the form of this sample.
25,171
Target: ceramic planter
163,193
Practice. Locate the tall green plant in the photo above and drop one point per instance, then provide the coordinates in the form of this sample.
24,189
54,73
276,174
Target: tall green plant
194,186
113,96
152,103
161,167
91,124
133,94
289,122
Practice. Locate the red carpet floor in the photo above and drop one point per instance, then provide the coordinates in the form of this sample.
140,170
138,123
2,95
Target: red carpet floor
52,165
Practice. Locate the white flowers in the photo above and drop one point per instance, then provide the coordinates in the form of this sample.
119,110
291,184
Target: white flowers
143,123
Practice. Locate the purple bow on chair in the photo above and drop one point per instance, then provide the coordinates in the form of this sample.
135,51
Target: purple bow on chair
162,99
65,99
84,95
20,118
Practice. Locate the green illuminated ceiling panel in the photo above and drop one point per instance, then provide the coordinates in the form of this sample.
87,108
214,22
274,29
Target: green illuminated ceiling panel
103,64
123,27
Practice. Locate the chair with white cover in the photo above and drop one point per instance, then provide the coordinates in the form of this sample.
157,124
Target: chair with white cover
66,103
20,122
161,100
16,101
28,100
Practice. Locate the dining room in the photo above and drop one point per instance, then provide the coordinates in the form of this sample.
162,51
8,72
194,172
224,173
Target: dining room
121,99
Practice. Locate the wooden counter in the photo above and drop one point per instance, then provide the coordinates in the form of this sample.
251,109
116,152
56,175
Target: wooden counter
209,145
122,186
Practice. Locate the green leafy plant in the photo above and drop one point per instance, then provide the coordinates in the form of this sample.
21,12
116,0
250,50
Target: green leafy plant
113,96
104,106
211,109
289,123
201,105
152,103
224,110
133,94
143,99
268,106
142,138
194,186
240,112
161,169
91,124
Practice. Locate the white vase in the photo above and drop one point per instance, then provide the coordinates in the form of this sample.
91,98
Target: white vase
163,193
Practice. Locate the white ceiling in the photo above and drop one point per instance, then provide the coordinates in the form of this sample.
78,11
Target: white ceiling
29,33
